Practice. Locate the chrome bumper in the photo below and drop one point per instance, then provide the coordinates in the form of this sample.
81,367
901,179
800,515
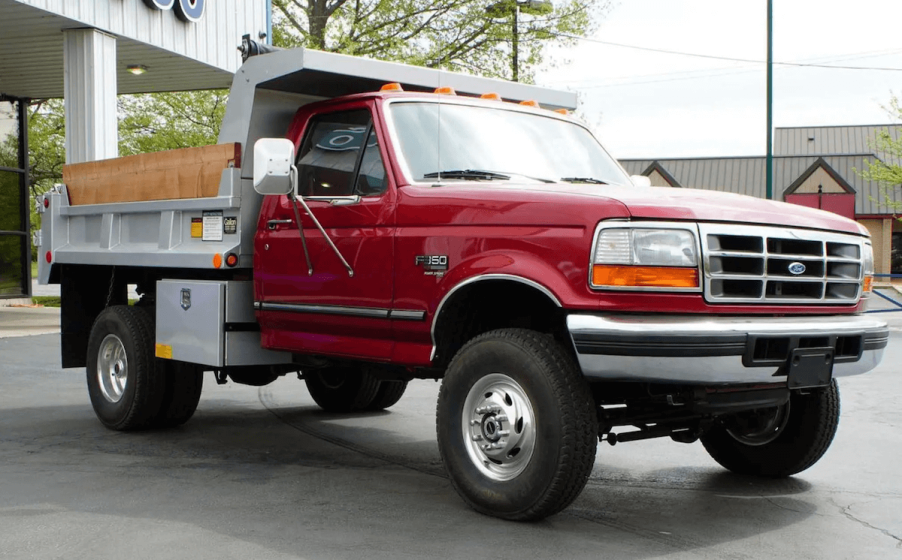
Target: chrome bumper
719,350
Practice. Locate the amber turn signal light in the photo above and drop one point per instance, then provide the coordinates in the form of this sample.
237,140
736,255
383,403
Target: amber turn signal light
644,276
868,284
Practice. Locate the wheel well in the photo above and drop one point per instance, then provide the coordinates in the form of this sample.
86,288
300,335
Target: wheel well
494,304
87,289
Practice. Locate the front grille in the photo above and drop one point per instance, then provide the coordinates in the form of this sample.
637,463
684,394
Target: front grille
746,264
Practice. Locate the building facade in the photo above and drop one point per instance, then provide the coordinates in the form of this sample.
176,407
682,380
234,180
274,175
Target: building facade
88,52
819,167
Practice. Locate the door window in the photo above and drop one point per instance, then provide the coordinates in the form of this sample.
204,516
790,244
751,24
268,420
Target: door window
340,156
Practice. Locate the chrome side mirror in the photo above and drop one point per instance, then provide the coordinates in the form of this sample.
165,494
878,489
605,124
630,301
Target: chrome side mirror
273,162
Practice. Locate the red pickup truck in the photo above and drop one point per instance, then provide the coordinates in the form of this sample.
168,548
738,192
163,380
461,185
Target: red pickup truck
479,239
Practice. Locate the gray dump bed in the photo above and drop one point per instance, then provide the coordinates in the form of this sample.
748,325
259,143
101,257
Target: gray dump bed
265,95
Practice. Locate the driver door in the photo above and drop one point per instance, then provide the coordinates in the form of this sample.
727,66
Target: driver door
342,178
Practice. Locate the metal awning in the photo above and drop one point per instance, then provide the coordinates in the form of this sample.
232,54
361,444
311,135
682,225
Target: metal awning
31,40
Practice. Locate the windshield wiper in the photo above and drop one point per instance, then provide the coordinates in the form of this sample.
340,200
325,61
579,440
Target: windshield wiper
483,175
468,174
583,180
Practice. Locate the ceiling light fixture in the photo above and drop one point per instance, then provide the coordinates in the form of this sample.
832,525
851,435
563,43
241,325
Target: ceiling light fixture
136,69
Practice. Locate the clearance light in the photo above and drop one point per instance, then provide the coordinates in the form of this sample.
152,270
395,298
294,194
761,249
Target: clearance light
531,103
644,276
446,90
46,202
217,261
48,257
394,86
562,111
867,283
231,260
492,96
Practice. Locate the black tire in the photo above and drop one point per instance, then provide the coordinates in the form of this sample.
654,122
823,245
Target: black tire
545,457
388,395
121,340
184,383
788,446
341,389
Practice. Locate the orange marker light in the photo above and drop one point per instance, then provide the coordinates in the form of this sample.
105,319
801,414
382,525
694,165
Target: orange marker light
217,261
447,90
531,103
644,276
394,86
868,283
562,111
492,96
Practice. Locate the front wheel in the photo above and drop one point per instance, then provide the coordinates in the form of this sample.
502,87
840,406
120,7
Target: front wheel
516,425
777,442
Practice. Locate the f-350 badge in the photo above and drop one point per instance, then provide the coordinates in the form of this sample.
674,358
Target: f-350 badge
433,265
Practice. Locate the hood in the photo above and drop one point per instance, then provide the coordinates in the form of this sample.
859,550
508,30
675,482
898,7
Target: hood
667,203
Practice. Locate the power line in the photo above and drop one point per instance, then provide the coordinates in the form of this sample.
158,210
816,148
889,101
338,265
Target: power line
722,70
716,57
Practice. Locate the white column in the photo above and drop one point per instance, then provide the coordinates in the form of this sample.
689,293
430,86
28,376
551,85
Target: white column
89,62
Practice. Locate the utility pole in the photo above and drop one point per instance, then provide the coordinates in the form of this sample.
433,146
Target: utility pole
515,43
514,7
770,100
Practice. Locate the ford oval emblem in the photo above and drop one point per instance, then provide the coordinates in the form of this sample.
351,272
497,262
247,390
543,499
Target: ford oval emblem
796,268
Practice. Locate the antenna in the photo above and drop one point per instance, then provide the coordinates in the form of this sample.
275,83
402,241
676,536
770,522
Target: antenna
438,129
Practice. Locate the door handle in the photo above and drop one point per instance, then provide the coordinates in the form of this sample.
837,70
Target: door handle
271,224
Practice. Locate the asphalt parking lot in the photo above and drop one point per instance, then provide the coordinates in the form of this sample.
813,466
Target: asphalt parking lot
262,473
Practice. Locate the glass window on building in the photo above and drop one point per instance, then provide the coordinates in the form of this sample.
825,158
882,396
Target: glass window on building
14,207
896,253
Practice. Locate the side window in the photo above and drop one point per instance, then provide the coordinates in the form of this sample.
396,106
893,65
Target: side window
330,156
371,179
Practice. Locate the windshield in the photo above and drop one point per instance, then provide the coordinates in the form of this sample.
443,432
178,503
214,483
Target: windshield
485,143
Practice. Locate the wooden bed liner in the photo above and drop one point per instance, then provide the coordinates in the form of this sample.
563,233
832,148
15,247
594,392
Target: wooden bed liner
173,174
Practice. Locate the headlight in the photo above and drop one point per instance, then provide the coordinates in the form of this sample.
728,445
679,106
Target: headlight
646,256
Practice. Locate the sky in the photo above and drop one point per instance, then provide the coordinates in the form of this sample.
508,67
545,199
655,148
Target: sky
648,104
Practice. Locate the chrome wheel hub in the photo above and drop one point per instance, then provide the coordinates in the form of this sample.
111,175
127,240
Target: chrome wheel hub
498,425
763,429
112,368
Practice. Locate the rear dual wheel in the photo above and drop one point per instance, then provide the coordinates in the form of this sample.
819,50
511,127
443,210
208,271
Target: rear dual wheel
352,389
128,386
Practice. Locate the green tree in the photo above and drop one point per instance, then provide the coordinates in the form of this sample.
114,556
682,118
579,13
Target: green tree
166,121
887,168
474,36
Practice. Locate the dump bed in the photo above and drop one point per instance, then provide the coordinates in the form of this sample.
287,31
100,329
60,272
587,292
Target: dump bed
189,208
